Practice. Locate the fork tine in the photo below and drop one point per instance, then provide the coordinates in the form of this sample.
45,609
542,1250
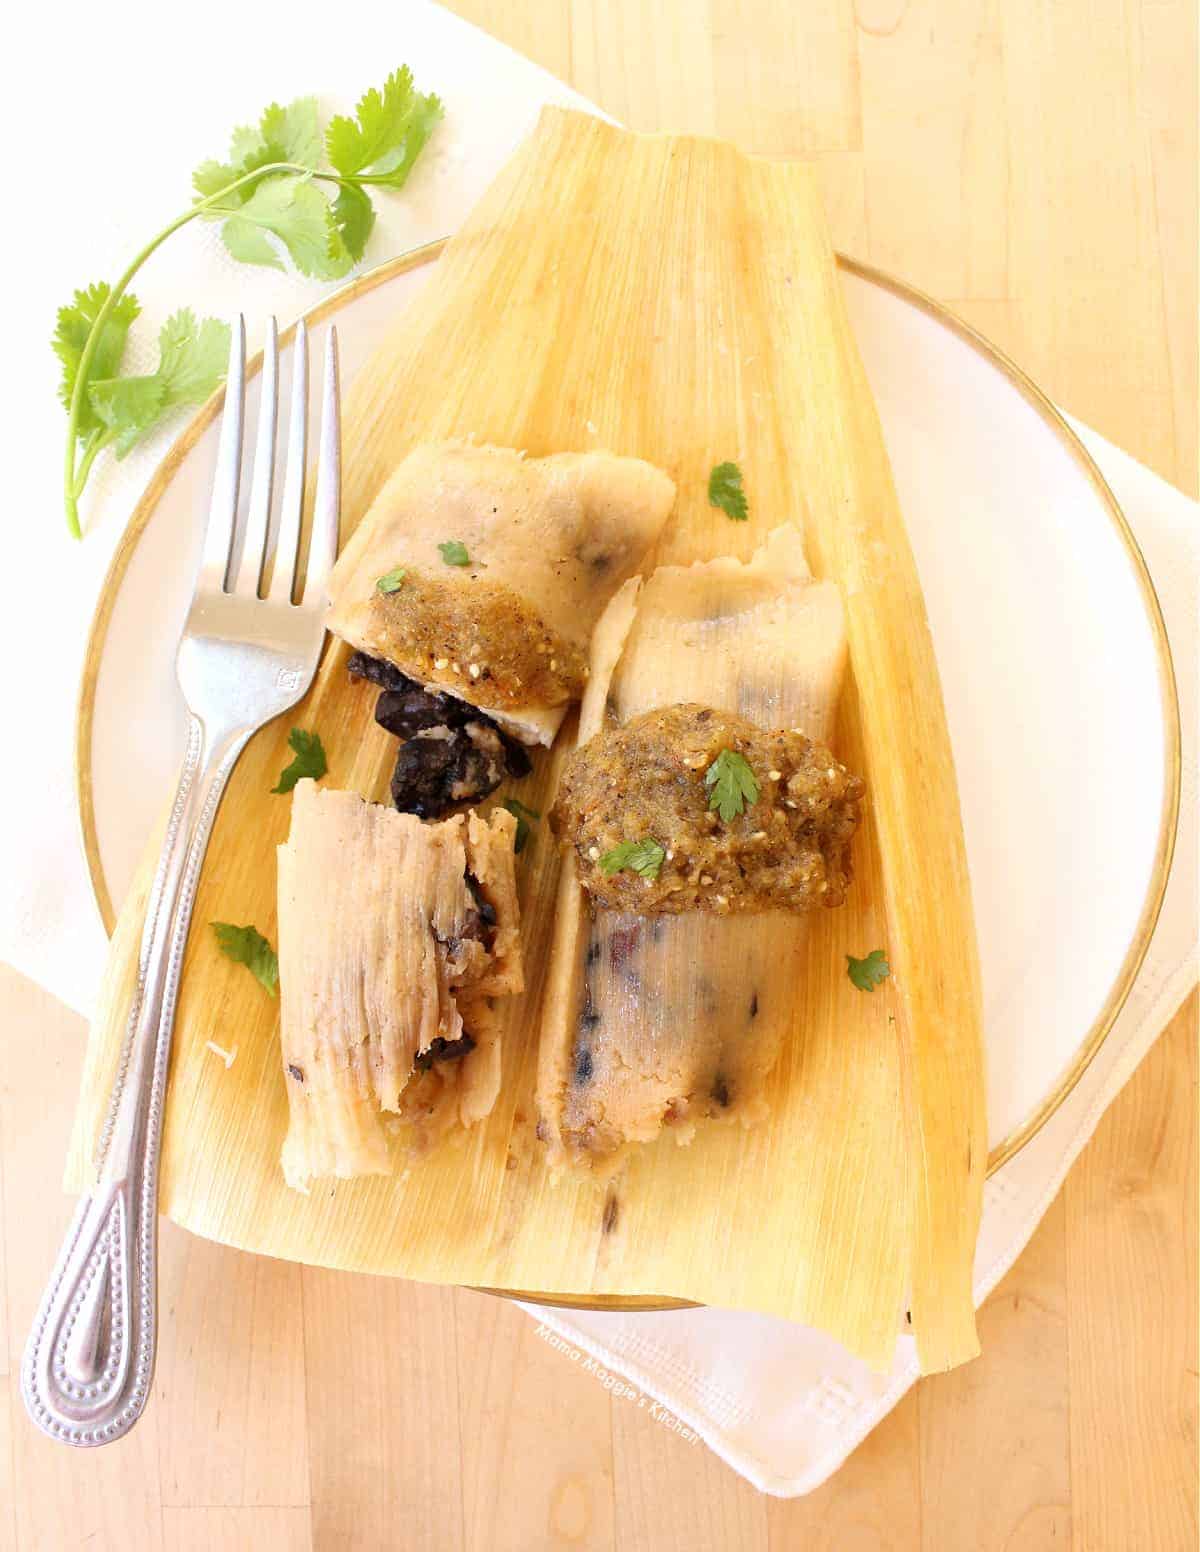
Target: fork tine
291,512
327,502
258,516
222,512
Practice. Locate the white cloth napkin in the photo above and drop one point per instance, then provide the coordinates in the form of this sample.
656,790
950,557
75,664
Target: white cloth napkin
783,1405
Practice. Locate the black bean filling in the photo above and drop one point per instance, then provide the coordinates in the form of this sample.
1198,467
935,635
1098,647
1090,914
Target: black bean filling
443,1050
452,754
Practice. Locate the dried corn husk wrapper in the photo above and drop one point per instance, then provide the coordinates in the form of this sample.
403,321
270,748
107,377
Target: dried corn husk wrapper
672,300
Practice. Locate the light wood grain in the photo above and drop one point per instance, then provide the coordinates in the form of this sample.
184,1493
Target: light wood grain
1131,1243
1108,1283
237,1530
385,1434
509,1382
231,1364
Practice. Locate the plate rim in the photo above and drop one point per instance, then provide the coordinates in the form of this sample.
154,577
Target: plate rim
1139,944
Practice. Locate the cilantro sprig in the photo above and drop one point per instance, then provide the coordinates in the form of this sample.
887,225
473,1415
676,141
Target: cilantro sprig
247,946
454,553
269,196
731,784
644,857
310,760
869,972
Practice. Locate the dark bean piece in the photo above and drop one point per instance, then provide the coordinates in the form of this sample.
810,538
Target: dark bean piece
406,712
487,911
720,1092
435,774
442,1050
754,1006
376,671
584,1065
519,763
295,1072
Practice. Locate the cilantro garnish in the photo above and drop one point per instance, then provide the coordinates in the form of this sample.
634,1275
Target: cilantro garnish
310,760
247,946
390,581
191,364
272,196
731,784
522,815
725,491
454,553
644,857
870,972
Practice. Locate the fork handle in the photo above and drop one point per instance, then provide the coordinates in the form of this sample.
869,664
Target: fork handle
90,1356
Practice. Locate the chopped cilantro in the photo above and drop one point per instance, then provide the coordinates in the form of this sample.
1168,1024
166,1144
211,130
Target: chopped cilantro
731,784
310,759
644,857
725,491
522,815
247,946
868,973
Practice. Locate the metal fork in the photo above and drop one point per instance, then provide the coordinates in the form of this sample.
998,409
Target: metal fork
242,660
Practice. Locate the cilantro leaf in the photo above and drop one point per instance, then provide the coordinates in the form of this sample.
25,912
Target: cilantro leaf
293,209
310,760
296,130
390,581
522,815
731,784
354,217
725,491
644,857
191,363
870,972
291,134
247,946
454,553
387,133
72,330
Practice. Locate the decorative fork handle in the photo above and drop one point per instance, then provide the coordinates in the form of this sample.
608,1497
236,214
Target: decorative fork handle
90,1357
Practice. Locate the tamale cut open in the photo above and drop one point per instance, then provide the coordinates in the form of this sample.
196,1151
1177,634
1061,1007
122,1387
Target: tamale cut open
672,300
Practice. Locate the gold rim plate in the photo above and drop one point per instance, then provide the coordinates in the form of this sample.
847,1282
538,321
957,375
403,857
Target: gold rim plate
1148,917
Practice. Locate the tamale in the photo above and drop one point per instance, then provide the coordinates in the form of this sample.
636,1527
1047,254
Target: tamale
658,1021
544,544
393,935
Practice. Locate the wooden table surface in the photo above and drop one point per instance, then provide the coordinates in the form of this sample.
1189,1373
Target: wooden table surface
1033,164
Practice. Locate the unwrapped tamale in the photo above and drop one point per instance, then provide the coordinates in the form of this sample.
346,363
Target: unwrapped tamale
673,1008
481,573
393,936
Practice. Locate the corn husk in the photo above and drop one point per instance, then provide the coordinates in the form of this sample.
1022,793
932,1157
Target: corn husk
682,300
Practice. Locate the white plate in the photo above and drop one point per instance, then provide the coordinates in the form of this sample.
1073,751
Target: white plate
1053,661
